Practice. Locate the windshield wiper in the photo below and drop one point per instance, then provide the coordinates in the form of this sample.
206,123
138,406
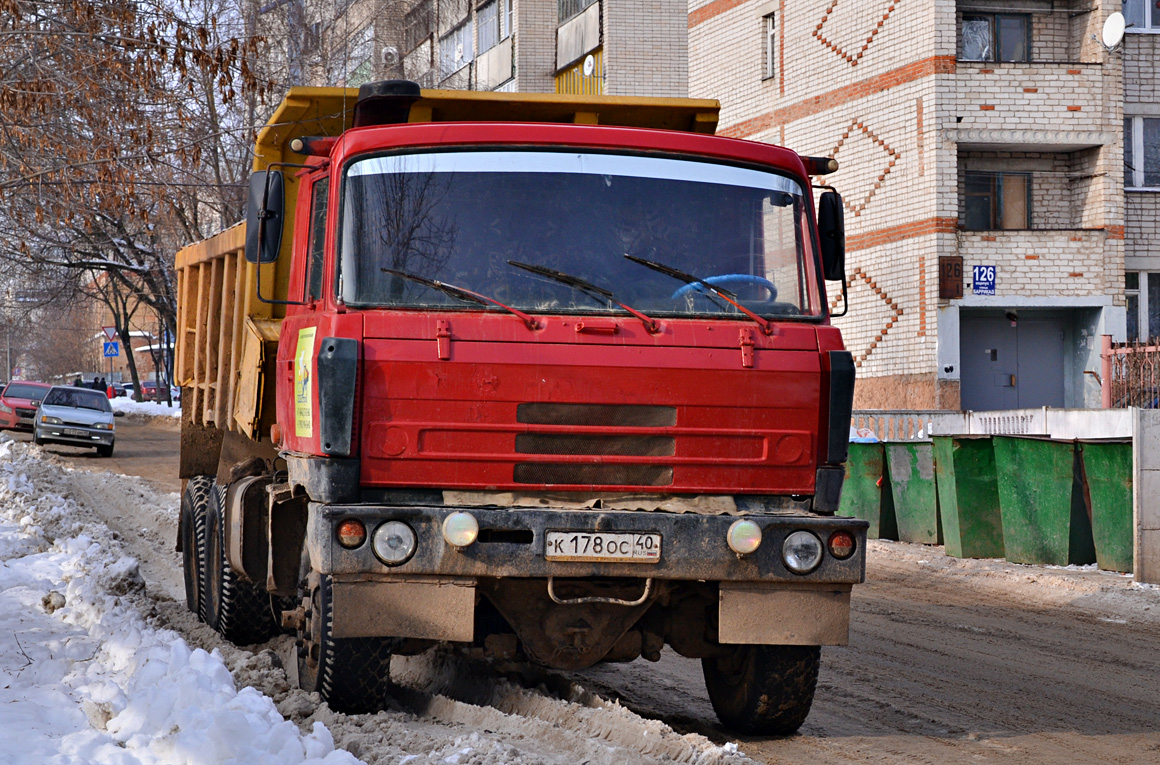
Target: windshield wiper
687,278
464,294
588,288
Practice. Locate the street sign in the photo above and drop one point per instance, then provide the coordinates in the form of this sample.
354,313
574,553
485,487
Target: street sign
110,332
984,280
112,348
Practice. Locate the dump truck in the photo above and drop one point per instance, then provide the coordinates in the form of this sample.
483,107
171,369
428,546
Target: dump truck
547,378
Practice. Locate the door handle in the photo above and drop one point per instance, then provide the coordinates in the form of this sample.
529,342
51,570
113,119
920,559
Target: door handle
1012,381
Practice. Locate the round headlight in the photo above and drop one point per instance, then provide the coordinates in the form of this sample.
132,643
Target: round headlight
743,537
394,542
802,552
460,529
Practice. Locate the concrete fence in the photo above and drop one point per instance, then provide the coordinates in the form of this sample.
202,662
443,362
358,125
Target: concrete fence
1034,485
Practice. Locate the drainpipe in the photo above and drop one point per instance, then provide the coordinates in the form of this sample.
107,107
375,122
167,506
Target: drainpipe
1106,371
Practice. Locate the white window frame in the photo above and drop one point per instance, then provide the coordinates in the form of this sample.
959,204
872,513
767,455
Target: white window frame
493,9
769,33
1137,147
1151,16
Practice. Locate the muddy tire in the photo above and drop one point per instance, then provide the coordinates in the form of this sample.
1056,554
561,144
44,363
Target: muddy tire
763,689
191,527
240,611
351,674
105,451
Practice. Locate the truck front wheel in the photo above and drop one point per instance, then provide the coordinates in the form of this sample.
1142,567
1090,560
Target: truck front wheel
351,674
240,611
763,689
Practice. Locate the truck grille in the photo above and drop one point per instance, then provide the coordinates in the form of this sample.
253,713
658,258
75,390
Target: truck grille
595,445
603,446
594,475
597,415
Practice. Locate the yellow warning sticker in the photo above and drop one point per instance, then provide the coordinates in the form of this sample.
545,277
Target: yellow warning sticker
303,404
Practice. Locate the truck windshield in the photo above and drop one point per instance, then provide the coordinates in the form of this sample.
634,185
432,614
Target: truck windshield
460,217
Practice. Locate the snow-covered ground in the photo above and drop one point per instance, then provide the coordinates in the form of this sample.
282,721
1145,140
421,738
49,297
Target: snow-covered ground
99,666
86,679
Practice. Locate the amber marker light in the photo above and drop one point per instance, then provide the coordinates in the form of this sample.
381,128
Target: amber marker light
351,533
842,544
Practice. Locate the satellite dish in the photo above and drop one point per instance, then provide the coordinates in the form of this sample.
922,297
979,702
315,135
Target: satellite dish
589,65
1114,30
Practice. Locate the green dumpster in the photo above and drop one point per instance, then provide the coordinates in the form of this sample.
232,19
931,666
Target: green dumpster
910,465
1041,497
866,492
968,496
1107,467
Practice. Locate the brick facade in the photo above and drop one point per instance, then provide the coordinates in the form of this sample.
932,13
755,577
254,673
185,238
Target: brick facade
880,86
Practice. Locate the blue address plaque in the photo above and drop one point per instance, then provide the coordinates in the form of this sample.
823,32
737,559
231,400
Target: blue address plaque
983,280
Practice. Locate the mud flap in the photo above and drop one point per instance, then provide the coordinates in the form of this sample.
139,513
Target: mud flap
782,614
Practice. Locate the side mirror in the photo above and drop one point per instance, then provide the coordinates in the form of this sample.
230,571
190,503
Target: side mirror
264,211
118,413
832,230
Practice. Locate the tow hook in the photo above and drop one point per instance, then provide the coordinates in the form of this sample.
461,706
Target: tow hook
294,620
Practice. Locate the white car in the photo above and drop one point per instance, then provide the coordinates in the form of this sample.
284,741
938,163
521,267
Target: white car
76,417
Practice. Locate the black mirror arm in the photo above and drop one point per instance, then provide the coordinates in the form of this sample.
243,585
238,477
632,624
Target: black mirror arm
845,301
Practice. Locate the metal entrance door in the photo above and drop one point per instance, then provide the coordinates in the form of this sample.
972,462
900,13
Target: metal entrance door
1009,365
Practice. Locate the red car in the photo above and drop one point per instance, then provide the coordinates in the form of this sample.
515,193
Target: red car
18,404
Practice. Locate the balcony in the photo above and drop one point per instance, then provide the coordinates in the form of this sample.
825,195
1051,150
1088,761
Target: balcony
1032,106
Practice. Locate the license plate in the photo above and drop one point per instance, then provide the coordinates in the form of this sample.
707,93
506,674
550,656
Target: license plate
75,432
603,547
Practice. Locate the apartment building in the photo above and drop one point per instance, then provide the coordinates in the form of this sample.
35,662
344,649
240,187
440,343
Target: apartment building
615,47
996,163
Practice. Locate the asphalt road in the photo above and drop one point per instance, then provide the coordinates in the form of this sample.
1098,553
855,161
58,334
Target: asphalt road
949,661
145,447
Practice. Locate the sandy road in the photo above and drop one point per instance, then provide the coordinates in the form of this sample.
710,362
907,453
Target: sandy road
949,661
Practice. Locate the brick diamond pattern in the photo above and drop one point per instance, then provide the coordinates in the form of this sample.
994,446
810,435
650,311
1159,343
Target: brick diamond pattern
857,130
858,278
846,51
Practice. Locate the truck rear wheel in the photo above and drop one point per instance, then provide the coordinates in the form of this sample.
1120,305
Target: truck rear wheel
763,689
191,526
351,674
239,610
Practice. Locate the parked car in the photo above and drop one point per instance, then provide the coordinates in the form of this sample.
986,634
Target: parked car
76,417
148,390
18,404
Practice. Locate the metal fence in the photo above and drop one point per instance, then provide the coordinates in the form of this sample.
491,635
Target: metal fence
1129,375
895,424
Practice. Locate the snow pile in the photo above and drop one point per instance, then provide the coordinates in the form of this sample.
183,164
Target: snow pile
86,680
149,408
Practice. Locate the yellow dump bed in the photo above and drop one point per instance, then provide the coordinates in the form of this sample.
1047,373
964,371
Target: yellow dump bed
226,336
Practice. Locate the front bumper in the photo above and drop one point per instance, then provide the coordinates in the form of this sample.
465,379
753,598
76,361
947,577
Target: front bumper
693,547
14,421
56,434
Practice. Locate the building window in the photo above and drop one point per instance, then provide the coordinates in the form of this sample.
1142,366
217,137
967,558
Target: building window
569,8
455,50
997,201
1132,298
1142,294
417,25
1142,16
487,17
996,37
1142,152
767,29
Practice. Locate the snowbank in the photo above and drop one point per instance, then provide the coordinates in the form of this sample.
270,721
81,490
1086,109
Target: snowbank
86,679
151,408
